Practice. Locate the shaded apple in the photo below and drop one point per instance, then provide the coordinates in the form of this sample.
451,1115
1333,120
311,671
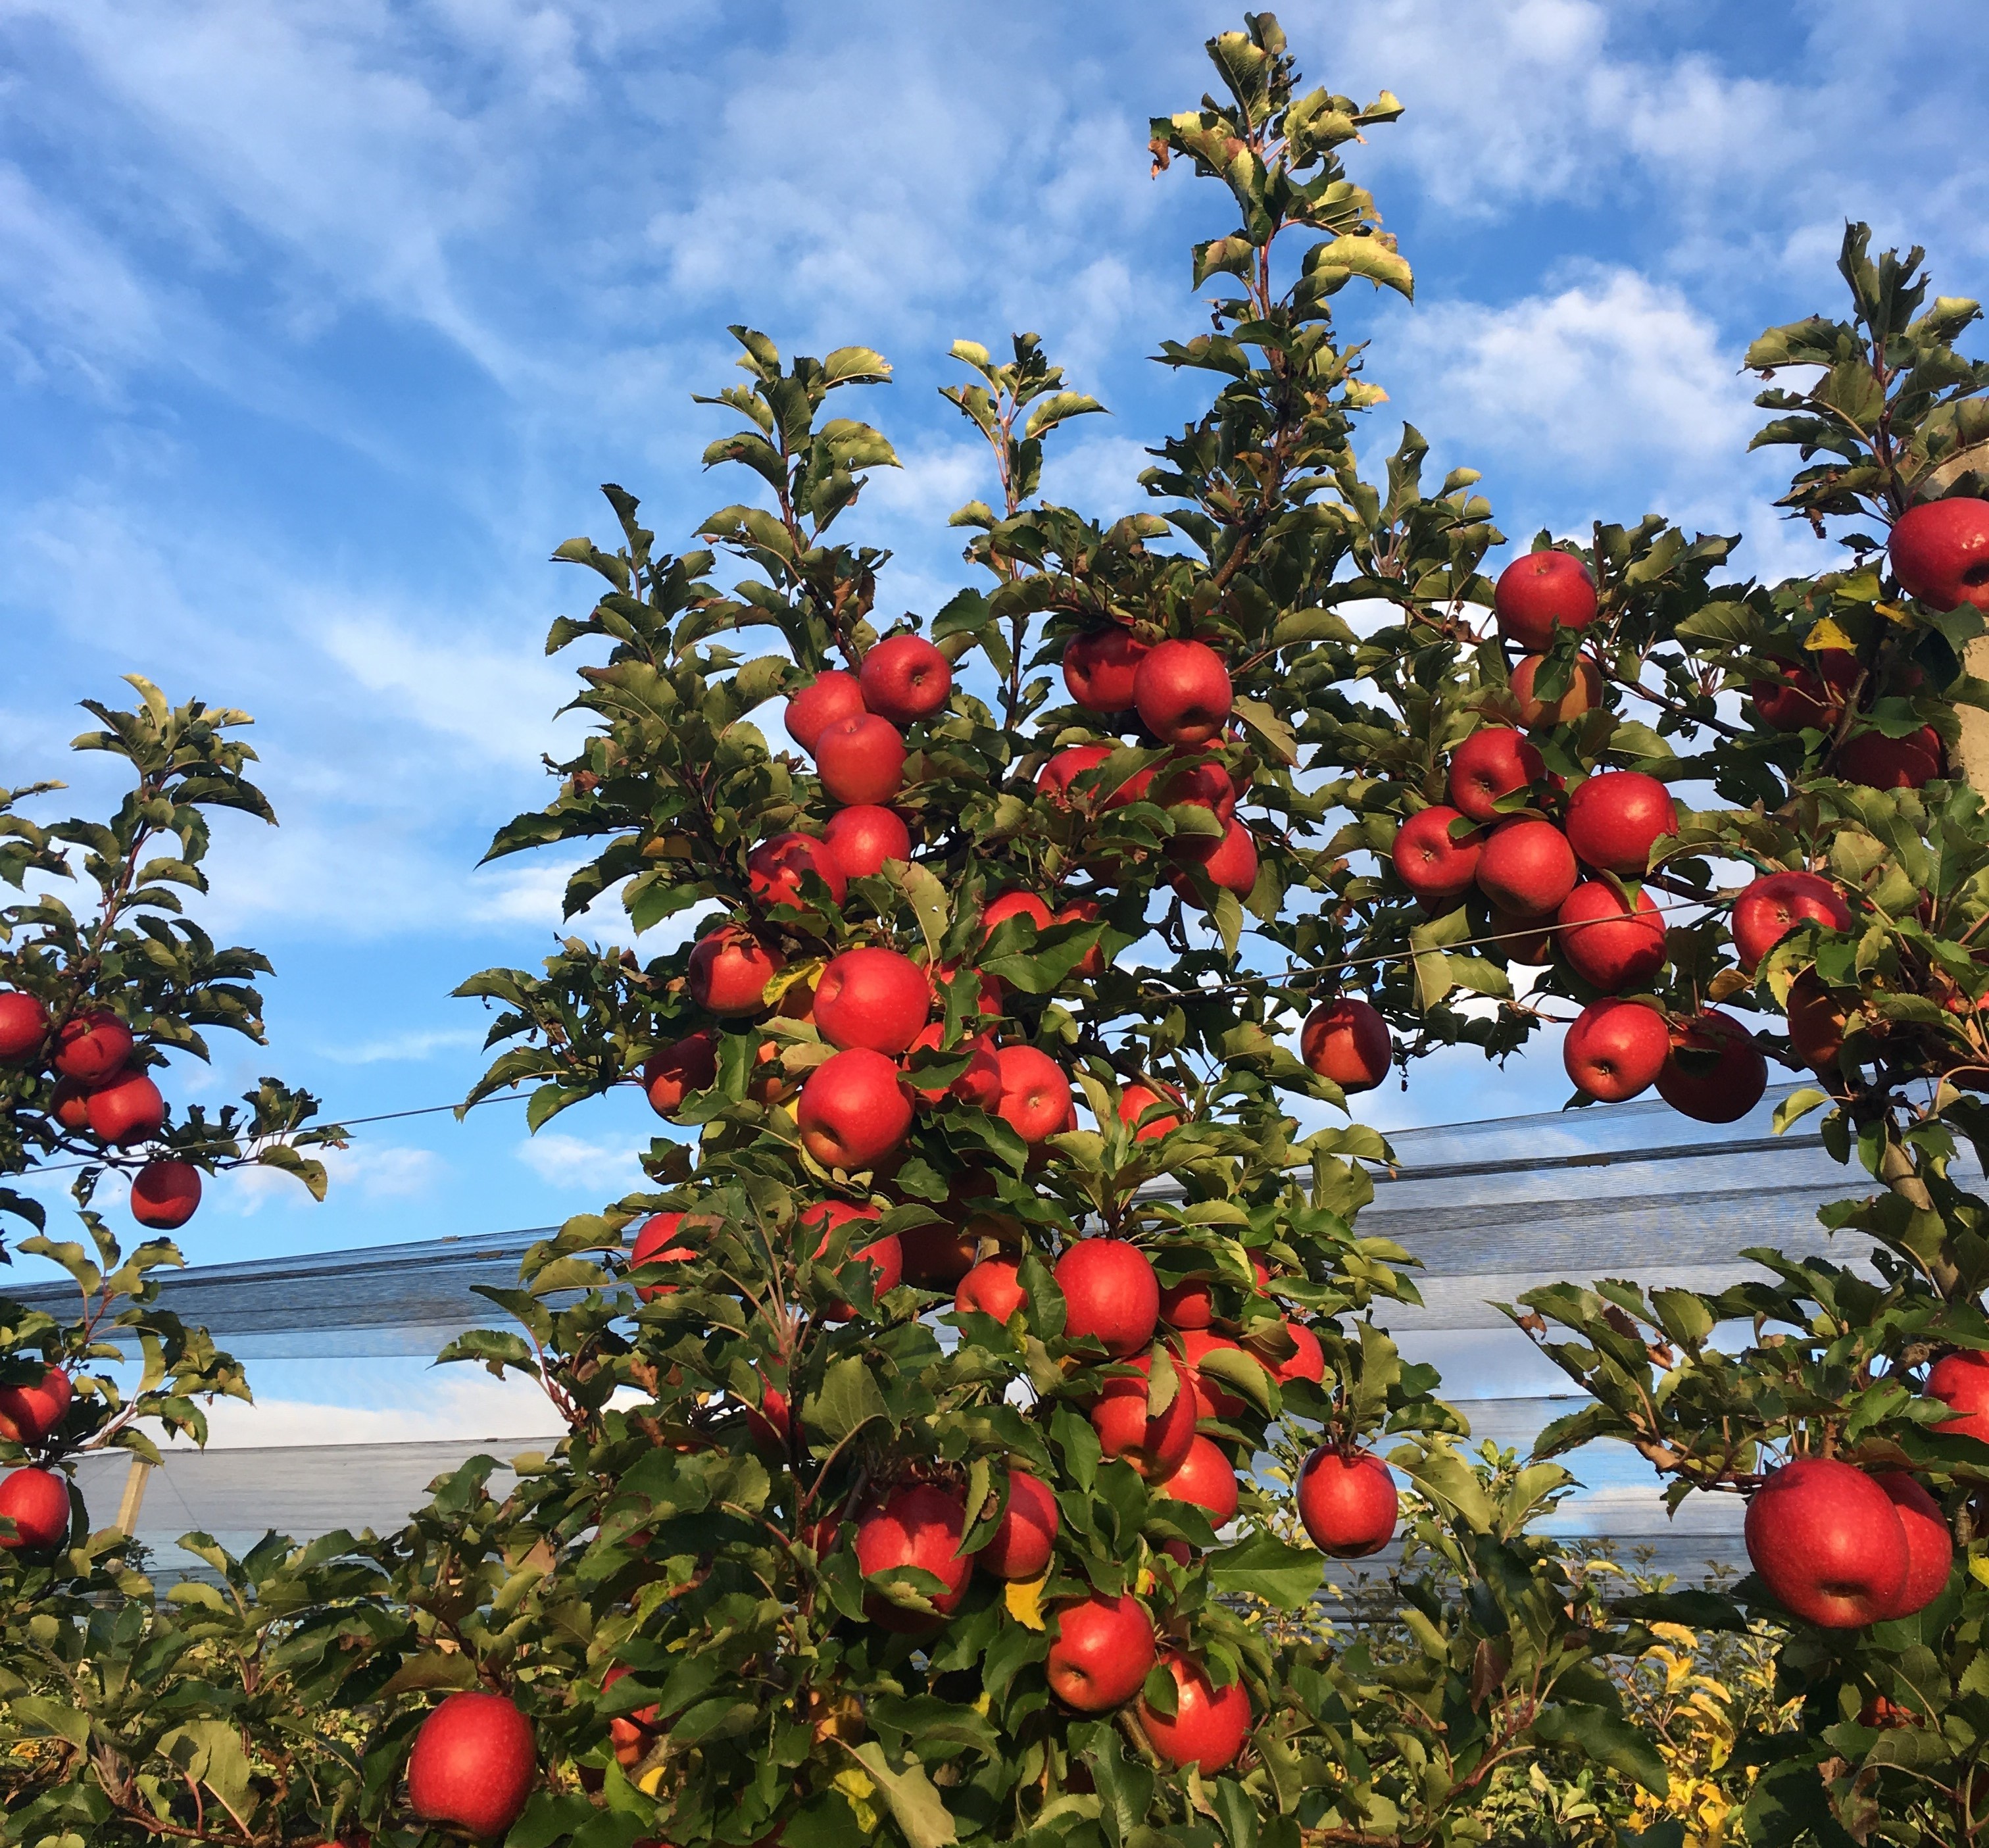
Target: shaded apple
828,698
1150,1114
1583,694
37,1502
1929,1542
861,759
1206,1477
653,1246
28,1413
165,1195
1714,1072
1346,1039
774,868
994,1288
24,1027
1778,903
92,1047
1153,1442
129,1108
729,971
672,1073
1495,760
1961,1380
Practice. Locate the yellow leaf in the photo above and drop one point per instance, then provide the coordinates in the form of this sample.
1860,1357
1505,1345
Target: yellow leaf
1978,1567
857,1790
651,1781
1891,612
1143,1583
1024,1598
1827,634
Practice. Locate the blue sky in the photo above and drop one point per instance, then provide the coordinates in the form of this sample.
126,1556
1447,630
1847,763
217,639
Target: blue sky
319,324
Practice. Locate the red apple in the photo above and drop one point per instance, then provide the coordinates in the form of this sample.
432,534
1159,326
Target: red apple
1493,761
1036,1095
24,1027
653,1245
1803,698
1099,1652
861,838
861,759
28,1414
473,1764
1526,867
1083,910
1013,904
1308,1362
633,1733
1929,1542
672,1073
1610,946
729,972
1940,552
774,869
904,679
1153,1443
921,1527
1542,592
1183,692
37,1502
994,1288
128,1109
1205,1477
1347,1502
92,1047
1776,904
1346,1039
1100,668
1232,867
770,1422
980,1085
1827,1543
1876,762
1110,1293
1616,818
69,1105
1961,1379
1025,1536
1523,939
988,998
1583,694
1189,1304
1213,1400
1616,1049
1056,776
1816,1021
853,1111
1714,1072
1137,1099
885,1256
872,997
1209,1724
165,1195
1435,868
829,697
1199,785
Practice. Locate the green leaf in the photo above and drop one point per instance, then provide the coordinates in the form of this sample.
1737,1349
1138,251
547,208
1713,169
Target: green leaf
1264,1566
848,1400
915,1806
1606,1737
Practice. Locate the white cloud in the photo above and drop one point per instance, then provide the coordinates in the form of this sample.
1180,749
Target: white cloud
373,1171
563,1159
417,1044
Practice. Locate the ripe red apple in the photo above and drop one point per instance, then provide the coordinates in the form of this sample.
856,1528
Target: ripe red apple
1013,904
830,697
1209,1725
1493,761
1083,910
1714,1072
653,1245
1204,1477
1803,698
165,1195
1526,867
1940,552
1100,668
1929,1542
1183,692
1523,939
774,869
1063,769
1036,1095
1213,1400
28,1414
1025,1536
674,1072
1347,1502
1616,1049
861,838
853,1111
37,1502
473,1764
729,972
919,1527
1346,1039
1961,1379
1816,1021
1099,1652
994,1288
1110,1293
1876,762
1827,1543
1137,1099
885,1256
988,998
128,1109
1435,868
872,997
1189,1304
1542,592
631,1733
1203,785
1309,1362
1608,945
1153,1444
1232,867
24,1027
904,678
861,759
1583,694
769,1423
1615,818
1776,904
69,1105
980,1085
92,1047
